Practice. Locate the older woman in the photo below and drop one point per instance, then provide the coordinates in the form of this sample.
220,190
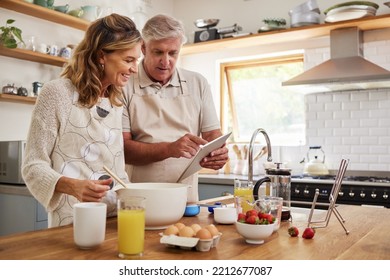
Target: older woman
76,124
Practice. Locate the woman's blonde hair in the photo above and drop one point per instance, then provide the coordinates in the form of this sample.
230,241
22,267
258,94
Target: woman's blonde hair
108,34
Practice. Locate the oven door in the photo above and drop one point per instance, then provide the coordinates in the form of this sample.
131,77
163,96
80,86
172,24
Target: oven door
363,194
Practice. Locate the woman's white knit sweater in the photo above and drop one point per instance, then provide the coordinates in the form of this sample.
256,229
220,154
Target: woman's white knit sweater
66,139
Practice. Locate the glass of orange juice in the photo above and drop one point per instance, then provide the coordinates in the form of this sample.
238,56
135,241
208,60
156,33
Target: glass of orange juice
131,226
243,196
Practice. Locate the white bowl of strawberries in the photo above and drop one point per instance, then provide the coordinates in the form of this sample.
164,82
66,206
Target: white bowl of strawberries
255,226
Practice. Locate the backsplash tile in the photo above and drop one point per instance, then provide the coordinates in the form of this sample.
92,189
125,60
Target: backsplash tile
351,124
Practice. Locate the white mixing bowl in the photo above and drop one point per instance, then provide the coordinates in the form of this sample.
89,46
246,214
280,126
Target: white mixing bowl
165,202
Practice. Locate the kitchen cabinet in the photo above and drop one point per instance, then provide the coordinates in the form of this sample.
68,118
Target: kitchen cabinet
286,35
37,11
207,191
20,212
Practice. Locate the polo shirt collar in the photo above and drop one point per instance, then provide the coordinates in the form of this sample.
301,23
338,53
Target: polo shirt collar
145,81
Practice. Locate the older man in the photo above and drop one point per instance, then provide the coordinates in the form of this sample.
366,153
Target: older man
169,112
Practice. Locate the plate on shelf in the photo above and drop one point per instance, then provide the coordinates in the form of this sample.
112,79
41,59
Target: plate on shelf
352,8
352,3
348,15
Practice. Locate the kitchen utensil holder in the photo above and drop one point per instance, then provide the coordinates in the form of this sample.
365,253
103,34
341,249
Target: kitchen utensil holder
332,201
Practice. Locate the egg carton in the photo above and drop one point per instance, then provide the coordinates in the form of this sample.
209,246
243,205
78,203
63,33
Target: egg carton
190,243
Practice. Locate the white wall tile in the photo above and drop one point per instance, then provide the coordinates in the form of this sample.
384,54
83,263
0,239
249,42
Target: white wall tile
326,115
349,140
369,122
369,140
378,149
333,141
376,131
341,131
341,114
350,123
356,126
353,105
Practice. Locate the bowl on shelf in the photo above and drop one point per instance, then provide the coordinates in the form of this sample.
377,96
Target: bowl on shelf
206,23
62,8
254,234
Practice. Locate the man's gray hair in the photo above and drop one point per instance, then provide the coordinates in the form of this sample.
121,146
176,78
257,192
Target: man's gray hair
163,27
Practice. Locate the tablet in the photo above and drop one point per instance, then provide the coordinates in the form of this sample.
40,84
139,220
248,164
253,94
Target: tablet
194,165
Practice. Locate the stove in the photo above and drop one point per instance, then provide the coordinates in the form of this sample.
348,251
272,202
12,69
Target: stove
355,190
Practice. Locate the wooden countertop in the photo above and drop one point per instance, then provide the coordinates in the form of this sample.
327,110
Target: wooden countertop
368,240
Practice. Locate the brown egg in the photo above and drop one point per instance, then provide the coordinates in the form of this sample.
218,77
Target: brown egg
186,231
196,227
172,229
180,225
203,233
212,229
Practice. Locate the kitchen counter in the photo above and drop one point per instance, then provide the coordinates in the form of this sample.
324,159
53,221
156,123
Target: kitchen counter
368,239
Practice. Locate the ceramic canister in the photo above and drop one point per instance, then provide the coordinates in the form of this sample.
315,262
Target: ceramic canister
66,52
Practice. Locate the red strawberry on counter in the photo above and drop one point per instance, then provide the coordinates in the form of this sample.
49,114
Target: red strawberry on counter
308,233
293,231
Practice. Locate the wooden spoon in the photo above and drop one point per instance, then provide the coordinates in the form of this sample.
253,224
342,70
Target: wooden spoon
237,151
113,175
261,153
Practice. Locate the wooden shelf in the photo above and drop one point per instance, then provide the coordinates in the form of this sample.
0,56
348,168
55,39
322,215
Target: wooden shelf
17,98
40,12
33,56
286,35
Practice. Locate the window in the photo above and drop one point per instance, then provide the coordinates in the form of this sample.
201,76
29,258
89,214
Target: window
252,97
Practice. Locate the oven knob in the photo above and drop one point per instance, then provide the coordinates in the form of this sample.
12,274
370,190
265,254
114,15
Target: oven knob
296,191
385,196
341,193
362,194
306,191
373,195
351,194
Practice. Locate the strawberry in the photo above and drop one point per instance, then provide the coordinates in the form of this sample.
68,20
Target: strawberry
269,218
252,220
261,215
308,233
251,212
293,231
241,218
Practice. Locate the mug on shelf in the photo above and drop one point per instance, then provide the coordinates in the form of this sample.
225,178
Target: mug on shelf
43,48
53,50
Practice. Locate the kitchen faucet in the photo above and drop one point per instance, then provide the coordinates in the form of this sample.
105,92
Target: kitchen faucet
250,155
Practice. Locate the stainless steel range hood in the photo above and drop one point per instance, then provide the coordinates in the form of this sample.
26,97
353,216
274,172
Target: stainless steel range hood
346,69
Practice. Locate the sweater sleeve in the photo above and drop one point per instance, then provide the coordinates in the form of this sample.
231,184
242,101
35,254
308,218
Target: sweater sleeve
49,115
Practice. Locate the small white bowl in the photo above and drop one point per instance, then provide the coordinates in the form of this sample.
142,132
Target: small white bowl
255,234
225,215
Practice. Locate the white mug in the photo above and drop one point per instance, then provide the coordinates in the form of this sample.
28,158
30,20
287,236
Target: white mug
89,224
43,48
